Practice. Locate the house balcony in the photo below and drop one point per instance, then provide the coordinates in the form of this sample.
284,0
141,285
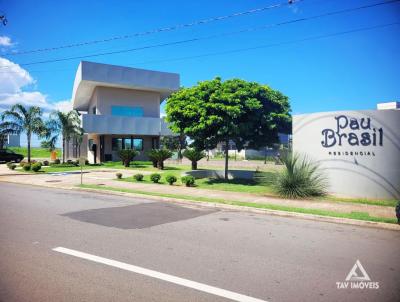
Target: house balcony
125,125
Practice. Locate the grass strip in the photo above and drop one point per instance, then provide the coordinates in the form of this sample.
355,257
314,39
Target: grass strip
353,215
374,202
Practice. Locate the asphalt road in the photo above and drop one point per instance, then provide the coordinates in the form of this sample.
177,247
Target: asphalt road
260,256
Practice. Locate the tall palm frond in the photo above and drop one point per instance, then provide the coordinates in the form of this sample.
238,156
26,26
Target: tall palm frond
64,125
24,119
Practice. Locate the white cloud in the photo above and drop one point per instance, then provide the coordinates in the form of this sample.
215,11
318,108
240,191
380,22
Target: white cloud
13,83
13,77
5,41
63,106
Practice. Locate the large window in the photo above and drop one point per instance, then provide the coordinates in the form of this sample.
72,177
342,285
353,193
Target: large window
127,111
116,144
127,143
138,144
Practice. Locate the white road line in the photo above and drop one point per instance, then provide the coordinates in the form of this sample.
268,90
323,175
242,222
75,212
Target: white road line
154,274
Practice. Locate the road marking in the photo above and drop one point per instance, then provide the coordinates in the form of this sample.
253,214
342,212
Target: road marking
154,274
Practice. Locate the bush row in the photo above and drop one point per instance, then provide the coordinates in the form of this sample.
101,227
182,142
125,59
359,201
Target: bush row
187,180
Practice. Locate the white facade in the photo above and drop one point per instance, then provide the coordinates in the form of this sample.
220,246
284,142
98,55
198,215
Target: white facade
121,108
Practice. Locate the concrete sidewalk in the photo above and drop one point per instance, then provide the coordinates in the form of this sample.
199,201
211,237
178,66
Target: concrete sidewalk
106,177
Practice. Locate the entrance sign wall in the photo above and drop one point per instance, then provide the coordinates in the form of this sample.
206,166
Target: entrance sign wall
359,151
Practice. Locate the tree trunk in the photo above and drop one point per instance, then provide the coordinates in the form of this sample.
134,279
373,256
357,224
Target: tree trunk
28,138
265,155
180,154
67,149
194,165
63,150
226,157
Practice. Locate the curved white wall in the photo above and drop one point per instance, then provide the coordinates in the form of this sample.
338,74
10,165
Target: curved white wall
358,150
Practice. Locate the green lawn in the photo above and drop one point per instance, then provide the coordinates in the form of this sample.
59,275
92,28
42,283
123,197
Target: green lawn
261,185
353,215
35,152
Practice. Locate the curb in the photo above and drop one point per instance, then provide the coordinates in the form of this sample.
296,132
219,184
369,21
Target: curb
205,204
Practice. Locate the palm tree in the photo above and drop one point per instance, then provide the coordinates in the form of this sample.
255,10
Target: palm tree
65,124
194,156
24,119
159,156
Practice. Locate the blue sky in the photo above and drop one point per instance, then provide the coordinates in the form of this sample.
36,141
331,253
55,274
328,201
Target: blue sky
353,71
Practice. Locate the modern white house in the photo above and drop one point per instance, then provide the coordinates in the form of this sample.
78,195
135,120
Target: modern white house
120,109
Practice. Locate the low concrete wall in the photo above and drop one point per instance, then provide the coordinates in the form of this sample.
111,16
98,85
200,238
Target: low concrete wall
232,174
359,151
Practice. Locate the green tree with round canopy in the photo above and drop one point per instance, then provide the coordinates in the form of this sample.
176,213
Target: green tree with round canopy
248,113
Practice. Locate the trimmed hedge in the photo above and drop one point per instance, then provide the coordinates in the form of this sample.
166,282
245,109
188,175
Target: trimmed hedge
36,167
171,179
188,180
138,177
155,177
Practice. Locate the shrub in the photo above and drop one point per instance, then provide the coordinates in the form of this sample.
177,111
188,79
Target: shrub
301,178
57,161
46,163
22,163
11,166
171,179
86,162
26,167
8,164
138,177
126,156
36,167
194,156
119,175
155,177
159,156
188,180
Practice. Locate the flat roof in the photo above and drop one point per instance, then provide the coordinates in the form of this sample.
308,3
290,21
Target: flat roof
90,75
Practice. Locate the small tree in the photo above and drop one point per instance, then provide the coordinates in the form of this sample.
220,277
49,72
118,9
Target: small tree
152,157
127,156
159,156
194,156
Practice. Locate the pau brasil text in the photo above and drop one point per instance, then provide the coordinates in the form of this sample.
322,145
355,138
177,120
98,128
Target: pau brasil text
344,133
